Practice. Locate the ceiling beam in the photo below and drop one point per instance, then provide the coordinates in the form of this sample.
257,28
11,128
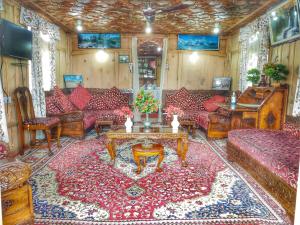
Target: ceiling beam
42,11
249,18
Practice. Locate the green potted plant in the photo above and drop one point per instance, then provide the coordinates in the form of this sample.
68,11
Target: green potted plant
253,76
276,72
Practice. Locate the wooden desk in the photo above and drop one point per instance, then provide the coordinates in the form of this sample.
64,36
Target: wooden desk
153,133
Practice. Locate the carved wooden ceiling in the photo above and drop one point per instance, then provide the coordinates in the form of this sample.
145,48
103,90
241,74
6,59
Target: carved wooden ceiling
128,16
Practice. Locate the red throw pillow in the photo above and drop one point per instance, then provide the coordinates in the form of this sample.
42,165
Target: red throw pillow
80,97
218,99
51,107
62,101
210,106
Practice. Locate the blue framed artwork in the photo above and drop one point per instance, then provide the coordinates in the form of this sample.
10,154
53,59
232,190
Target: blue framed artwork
198,42
96,40
72,80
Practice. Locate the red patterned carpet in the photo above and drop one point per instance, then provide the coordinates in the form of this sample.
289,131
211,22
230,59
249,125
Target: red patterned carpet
80,185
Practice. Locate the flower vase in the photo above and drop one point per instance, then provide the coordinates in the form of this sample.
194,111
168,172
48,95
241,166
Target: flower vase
175,123
128,125
147,122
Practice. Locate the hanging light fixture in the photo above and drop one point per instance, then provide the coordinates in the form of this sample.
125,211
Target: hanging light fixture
217,28
79,26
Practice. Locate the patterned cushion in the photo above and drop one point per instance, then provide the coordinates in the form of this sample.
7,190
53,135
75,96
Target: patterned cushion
3,151
89,119
109,115
276,150
114,98
202,119
182,99
51,107
210,106
97,102
80,97
47,121
292,126
62,101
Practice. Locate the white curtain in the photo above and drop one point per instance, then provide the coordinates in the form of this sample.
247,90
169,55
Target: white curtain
39,25
254,42
3,123
135,80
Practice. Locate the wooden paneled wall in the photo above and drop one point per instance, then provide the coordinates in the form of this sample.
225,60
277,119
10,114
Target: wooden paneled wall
181,71
12,75
289,55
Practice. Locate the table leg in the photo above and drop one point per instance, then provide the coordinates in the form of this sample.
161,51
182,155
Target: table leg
111,149
184,151
137,161
179,147
160,159
193,131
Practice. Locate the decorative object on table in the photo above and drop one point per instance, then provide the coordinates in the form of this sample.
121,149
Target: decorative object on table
104,40
123,58
276,72
126,112
175,112
221,83
263,81
284,23
253,76
72,80
198,42
146,103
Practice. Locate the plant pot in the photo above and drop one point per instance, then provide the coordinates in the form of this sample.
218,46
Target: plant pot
263,81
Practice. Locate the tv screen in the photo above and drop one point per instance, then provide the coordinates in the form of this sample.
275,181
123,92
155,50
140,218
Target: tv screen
94,40
16,41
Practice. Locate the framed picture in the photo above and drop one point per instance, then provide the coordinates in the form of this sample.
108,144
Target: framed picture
94,40
198,42
72,80
284,22
123,58
221,83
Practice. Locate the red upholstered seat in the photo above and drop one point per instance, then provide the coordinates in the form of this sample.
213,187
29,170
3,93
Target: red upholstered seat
89,119
47,121
276,150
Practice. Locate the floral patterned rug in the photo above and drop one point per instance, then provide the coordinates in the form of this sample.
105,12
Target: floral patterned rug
80,185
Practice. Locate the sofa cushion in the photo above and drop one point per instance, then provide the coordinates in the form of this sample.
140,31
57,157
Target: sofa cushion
114,98
51,107
218,98
202,119
292,126
276,150
89,119
182,99
97,102
109,115
62,101
47,121
210,106
80,97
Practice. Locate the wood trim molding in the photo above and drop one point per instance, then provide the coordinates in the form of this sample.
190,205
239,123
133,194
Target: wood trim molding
260,11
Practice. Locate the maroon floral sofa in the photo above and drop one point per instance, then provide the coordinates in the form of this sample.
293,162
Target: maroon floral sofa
271,157
194,104
79,108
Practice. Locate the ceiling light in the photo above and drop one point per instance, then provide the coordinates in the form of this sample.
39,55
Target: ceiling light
79,26
101,56
275,18
216,29
158,49
148,29
273,13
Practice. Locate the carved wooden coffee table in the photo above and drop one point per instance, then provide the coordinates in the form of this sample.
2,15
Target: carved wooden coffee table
153,133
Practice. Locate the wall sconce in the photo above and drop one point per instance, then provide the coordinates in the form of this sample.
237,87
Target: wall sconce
102,56
194,57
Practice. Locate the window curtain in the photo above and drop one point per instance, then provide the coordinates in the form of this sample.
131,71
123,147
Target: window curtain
39,25
3,125
136,80
254,45
296,108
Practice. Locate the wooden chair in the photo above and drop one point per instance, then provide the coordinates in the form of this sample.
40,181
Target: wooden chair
28,121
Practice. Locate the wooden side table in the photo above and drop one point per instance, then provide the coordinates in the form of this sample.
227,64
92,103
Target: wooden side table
100,123
139,151
191,126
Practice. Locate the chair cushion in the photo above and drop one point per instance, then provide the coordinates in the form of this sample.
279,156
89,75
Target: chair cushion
89,119
276,150
62,101
210,106
80,97
51,107
109,115
202,119
47,121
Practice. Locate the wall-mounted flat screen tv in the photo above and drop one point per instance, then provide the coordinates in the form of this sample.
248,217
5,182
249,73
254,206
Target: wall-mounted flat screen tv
16,41
103,40
198,42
